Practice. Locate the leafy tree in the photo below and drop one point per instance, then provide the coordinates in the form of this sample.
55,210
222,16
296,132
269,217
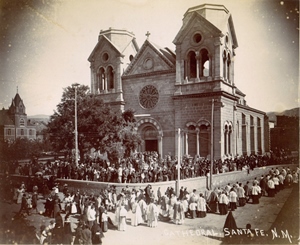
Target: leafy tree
98,126
20,148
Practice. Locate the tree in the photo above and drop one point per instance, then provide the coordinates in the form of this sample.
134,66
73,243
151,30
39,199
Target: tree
20,148
98,126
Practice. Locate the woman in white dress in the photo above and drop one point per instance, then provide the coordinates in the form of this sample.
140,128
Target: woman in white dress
20,192
152,214
136,214
122,219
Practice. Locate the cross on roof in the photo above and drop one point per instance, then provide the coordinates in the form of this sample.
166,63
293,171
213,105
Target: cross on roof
148,34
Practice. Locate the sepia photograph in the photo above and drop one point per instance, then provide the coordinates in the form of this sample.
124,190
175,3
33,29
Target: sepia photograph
149,122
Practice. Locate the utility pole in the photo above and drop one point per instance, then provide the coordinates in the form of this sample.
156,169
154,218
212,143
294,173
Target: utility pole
211,144
178,163
76,130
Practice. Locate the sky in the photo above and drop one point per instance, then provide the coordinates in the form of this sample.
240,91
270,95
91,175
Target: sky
44,45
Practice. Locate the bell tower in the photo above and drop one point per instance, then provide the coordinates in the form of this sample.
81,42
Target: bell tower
205,46
111,56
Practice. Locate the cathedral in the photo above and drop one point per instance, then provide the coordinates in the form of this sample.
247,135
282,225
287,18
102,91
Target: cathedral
185,101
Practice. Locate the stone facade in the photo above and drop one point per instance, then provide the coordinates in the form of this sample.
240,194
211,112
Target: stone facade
191,89
14,123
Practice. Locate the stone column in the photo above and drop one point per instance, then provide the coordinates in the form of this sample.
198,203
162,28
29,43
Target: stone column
186,143
105,82
197,141
160,145
198,68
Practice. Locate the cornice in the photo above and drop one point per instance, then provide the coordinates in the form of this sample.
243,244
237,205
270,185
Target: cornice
203,95
149,74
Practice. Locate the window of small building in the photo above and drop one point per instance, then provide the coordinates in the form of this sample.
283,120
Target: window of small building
8,131
22,122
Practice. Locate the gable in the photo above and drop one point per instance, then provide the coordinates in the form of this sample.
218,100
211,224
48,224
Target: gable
151,58
195,20
103,43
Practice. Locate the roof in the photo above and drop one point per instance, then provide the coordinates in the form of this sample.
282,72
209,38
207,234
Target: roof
101,38
165,54
4,118
216,17
109,35
239,92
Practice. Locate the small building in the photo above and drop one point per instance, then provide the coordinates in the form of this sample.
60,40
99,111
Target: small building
14,123
192,88
285,134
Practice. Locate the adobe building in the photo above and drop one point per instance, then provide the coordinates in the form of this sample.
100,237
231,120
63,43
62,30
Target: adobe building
191,89
14,123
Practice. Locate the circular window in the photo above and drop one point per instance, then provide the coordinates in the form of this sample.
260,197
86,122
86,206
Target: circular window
148,97
105,57
197,38
130,57
148,63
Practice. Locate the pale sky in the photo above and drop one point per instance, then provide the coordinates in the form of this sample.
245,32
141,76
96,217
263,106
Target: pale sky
45,44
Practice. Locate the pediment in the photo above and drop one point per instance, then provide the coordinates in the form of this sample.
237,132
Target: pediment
195,20
104,44
151,58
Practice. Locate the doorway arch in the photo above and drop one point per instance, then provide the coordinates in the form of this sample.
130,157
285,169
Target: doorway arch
151,135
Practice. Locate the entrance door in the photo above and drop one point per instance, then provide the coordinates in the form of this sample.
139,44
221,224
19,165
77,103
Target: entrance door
151,145
149,135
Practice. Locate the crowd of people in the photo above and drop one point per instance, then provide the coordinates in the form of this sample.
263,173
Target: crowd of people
97,213
144,206
146,167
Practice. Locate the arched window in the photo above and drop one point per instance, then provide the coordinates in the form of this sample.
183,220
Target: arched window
22,132
244,134
22,122
192,65
228,68
30,132
192,140
252,136
226,139
259,136
204,59
224,64
101,79
110,78
229,139
204,140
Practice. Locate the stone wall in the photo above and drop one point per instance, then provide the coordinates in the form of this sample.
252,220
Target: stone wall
199,183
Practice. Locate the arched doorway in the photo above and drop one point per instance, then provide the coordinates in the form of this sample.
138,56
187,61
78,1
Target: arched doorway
149,135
